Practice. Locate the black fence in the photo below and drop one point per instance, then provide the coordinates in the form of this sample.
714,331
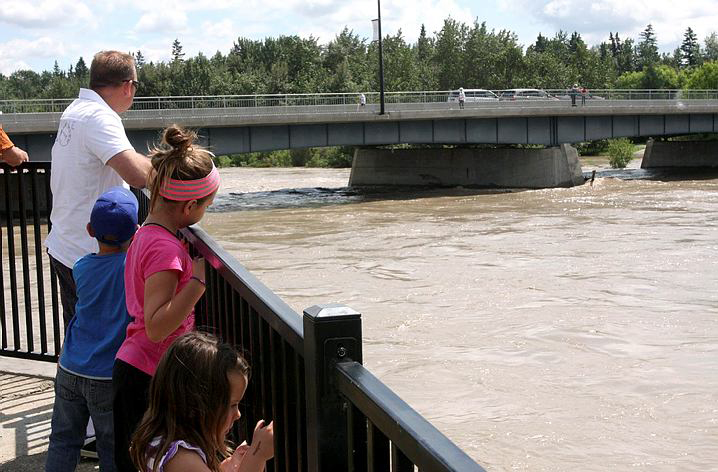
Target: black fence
329,412
30,322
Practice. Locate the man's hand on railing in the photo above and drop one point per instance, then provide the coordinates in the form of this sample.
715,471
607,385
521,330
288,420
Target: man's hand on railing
14,156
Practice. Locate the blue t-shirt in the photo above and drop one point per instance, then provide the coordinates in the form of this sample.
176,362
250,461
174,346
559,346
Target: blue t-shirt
96,332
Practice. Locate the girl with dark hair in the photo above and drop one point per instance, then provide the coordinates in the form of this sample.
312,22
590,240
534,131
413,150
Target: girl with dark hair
194,400
162,281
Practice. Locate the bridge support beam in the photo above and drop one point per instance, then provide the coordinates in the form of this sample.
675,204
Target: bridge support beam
495,168
680,154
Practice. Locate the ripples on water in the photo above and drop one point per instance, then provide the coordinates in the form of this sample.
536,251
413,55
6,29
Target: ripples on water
557,329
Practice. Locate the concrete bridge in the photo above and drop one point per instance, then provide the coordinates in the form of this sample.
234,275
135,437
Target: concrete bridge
238,124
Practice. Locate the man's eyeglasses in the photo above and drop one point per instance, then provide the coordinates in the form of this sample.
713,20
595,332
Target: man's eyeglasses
136,83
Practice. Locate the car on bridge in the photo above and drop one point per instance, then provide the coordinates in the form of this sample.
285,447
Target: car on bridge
525,94
473,95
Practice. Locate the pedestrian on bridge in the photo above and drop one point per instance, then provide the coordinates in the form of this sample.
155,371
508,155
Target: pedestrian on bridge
462,98
573,92
584,95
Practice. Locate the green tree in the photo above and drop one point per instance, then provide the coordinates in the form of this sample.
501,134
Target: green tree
704,77
82,73
399,64
425,67
690,49
626,61
177,54
139,59
711,47
347,56
448,54
648,48
620,152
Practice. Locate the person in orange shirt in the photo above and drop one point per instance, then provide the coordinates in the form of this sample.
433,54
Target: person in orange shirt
9,153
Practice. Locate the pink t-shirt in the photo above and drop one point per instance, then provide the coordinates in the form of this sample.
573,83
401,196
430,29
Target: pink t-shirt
154,249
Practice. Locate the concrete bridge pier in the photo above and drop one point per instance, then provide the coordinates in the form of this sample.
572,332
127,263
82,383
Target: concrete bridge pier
680,154
494,168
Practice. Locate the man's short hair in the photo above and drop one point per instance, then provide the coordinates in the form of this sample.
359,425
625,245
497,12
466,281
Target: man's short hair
111,68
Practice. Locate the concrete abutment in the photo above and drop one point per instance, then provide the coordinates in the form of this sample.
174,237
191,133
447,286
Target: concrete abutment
493,167
680,154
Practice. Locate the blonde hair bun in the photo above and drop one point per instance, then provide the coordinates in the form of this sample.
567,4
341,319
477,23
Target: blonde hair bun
178,138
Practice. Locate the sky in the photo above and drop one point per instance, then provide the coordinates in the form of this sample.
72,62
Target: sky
36,33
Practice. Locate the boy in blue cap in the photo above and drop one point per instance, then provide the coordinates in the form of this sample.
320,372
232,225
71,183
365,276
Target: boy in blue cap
83,385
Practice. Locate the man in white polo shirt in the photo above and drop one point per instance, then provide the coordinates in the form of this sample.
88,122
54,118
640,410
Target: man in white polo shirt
91,154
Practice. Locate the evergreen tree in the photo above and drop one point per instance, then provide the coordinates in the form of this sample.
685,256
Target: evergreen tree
424,52
540,45
710,53
690,49
81,70
139,59
647,48
177,54
626,60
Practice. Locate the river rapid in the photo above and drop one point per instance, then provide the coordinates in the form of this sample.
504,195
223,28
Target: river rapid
560,329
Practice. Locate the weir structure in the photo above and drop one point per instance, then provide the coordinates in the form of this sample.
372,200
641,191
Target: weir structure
250,123
330,413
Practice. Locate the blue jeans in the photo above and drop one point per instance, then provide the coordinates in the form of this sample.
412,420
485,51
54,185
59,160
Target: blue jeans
76,400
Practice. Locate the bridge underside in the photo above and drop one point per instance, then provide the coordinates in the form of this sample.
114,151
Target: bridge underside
541,130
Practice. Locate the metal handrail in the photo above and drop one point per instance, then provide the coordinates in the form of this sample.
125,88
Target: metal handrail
415,438
315,99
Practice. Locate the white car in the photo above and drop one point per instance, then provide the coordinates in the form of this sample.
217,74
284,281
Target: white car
473,95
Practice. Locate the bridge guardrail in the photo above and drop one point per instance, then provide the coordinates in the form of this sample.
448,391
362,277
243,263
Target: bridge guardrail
329,99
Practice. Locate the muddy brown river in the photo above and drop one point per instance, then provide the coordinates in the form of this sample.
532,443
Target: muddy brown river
562,329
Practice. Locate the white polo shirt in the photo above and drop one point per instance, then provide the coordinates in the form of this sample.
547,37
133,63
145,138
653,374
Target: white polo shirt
90,133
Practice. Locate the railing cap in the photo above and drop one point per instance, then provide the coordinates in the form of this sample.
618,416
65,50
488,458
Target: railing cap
331,311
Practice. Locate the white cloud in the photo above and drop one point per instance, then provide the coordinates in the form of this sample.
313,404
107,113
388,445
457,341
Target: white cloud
161,21
14,53
324,19
45,13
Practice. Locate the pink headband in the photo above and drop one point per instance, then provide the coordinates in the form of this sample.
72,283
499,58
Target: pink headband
186,190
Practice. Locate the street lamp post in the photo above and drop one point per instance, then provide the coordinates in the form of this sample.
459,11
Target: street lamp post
381,63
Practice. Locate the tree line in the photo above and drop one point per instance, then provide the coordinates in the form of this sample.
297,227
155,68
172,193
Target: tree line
459,55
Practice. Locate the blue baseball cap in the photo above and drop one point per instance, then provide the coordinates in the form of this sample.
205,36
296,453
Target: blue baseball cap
114,216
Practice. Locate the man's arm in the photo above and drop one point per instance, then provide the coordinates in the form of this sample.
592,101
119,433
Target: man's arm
132,166
13,156
9,153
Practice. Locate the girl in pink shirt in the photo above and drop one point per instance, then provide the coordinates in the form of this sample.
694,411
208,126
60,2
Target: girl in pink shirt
162,282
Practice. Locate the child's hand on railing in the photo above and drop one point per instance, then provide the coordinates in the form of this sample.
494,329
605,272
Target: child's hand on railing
252,458
263,441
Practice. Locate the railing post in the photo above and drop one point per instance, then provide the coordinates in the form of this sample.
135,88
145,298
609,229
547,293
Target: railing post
332,333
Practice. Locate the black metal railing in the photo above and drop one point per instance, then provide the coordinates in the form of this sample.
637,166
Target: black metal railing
329,412
30,323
